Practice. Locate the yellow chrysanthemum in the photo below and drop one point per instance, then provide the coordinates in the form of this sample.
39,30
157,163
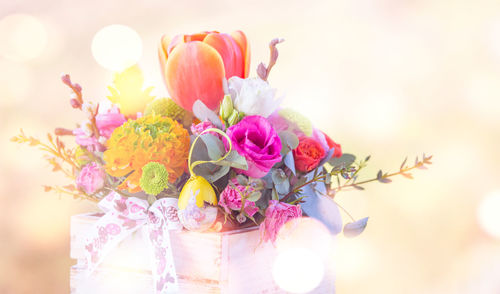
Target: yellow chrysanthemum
151,138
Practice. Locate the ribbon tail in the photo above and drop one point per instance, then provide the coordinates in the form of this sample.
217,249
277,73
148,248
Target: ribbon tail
165,276
110,230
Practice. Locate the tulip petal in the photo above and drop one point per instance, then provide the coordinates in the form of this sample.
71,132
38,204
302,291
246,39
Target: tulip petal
168,47
229,51
240,38
163,54
195,71
195,37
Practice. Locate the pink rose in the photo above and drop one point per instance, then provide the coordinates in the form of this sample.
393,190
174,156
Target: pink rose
277,214
108,122
230,199
255,139
91,178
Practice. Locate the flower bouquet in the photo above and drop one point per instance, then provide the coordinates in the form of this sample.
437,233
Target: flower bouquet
211,180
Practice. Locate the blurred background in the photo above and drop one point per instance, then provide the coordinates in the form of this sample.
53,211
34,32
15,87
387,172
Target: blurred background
389,78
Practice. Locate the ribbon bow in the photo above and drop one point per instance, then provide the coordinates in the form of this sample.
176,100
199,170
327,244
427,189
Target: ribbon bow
123,217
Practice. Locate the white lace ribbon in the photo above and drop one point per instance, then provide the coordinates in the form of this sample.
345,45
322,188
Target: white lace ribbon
123,216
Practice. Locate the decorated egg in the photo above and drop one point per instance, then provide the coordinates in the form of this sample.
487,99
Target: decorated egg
197,200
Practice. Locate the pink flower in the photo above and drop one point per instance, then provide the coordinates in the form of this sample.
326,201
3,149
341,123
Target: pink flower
90,142
108,122
277,214
230,199
199,128
91,178
255,139
279,123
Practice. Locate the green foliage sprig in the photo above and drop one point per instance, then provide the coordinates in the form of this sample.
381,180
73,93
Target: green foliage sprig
347,169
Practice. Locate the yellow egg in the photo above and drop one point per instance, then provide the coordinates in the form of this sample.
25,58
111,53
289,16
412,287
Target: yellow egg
200,189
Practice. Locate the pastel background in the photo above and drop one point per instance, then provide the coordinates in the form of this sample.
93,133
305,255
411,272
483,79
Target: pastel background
389,78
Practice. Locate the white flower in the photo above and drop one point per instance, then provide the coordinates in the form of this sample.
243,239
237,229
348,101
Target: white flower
253,96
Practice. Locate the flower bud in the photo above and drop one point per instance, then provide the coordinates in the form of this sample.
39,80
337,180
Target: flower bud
88,108
87,128
234,118
241,218
74,103
63,132
226,107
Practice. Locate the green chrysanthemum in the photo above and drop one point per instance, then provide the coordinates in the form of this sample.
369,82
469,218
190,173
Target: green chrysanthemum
302,122
167,107
154,178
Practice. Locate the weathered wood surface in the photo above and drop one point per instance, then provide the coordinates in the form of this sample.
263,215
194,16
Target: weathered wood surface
230,262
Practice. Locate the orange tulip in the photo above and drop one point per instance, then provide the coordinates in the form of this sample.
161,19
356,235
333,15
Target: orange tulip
195,66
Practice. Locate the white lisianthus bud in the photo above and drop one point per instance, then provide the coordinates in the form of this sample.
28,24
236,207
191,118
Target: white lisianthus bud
226,107
234,118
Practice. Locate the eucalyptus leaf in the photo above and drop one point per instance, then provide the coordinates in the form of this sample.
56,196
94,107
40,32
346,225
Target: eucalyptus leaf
202,112
289,141
222,171
254,196
268,181
234,160
283,187
215,146
345,160
355,228
290,161
242,180
278,176
322,208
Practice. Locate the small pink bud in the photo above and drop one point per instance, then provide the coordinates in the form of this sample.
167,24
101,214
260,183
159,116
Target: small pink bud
74,103
66,79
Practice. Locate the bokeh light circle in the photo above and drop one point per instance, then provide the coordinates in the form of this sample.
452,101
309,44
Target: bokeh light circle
298,270
116,47
22,37
488,213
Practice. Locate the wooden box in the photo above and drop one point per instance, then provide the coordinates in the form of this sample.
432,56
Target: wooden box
229,262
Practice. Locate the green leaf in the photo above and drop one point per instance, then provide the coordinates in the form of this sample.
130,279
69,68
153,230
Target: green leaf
289,161
345,160
222,171
215,146
289,141
355,228
283,188
278,176
275,195
234,160
254,196
242,180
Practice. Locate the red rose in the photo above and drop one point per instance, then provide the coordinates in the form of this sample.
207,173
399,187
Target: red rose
308,154
331,144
